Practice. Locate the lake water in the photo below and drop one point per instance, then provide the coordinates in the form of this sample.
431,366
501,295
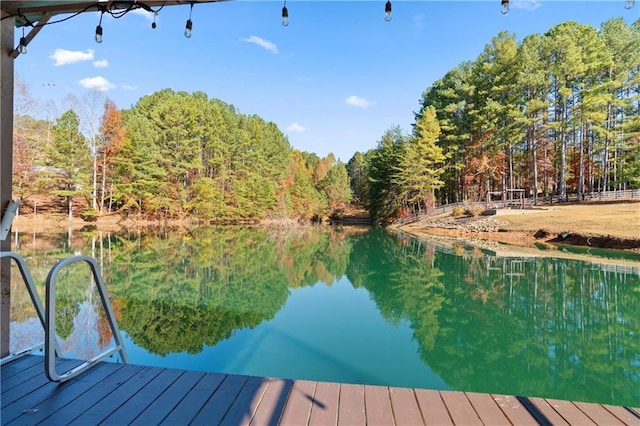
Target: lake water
356,307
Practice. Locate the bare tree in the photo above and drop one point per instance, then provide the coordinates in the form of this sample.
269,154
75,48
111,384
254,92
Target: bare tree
89,107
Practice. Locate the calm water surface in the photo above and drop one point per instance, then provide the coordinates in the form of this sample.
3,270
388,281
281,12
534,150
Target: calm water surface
363,307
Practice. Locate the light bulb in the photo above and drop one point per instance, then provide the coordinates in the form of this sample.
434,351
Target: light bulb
629,4
98,34
188,28
285,16
387,11
504,9
22,47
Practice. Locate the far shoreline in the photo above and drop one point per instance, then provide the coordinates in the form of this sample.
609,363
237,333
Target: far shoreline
619,230
598,225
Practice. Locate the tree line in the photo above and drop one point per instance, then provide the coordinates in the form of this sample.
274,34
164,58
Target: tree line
172,155
552,114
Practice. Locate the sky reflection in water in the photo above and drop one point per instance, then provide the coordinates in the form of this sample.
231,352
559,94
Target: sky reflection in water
365,308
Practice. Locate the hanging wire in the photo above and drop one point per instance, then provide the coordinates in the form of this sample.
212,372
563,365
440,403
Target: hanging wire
114,14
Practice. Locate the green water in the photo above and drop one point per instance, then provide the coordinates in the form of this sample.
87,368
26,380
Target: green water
364,307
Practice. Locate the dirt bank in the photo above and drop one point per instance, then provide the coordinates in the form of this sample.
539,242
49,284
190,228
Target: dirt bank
498,229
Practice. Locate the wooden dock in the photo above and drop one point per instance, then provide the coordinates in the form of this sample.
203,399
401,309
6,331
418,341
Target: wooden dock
130,394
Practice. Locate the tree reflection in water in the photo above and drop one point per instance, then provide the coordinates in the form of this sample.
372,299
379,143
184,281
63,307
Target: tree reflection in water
516,325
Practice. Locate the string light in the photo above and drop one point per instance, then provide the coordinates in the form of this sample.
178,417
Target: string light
504,9
22,46
285,15
629,4
98,36
387,11
189,26
153,24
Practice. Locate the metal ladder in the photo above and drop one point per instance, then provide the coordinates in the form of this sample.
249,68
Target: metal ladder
47,317
50,341
35,299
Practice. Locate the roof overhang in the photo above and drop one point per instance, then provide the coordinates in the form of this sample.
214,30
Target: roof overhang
32,13
36,14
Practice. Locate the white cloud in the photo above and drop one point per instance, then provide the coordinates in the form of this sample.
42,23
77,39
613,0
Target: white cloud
129,87
263,43
64,57
141,12
99,83
357,101
529,5
102,63
295,127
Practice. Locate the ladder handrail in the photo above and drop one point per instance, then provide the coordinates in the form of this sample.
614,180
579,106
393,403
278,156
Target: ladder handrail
35,299
50,323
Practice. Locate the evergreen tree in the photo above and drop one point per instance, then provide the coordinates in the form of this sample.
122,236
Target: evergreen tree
358,176
384,195
68,161
420,166
336,188
534,90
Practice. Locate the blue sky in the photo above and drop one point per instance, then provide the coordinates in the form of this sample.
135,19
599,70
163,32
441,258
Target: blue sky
333,80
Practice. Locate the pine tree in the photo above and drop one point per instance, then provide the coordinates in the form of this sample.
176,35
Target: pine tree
68,160
384,195
420,166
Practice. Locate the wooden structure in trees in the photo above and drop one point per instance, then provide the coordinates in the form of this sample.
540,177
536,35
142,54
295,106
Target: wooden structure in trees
507,198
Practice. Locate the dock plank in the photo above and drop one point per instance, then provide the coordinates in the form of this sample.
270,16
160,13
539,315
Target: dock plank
220,401
434,412
548,411
128,394
405,407
188,406
298,405
460,408
635,411
598,414
127,412
570,412
514,410
60,395
127,390
103,388
377,403
351,410
30,371
242,409
324,410
623,414
487,409
30,385
19,365
272,404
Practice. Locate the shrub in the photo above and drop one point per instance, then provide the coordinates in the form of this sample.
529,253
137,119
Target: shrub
475,210
89,215
337,214
458,211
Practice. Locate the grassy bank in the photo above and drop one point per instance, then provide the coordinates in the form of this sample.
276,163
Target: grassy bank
610,225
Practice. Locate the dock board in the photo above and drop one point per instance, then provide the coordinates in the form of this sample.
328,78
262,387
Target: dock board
131,394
